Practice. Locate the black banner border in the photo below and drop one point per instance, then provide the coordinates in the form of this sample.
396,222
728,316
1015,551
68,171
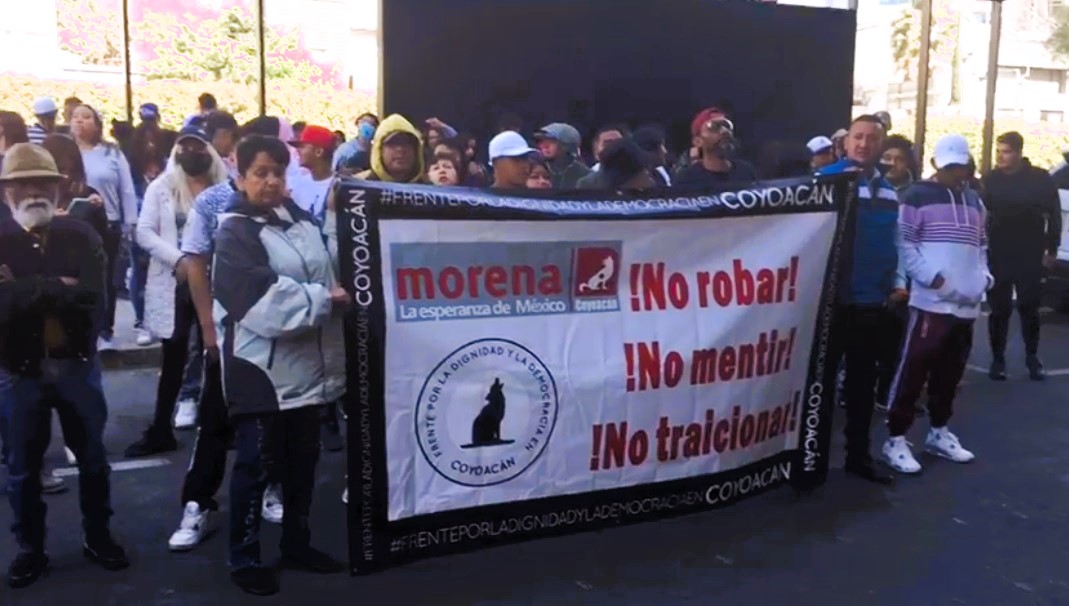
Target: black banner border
372,537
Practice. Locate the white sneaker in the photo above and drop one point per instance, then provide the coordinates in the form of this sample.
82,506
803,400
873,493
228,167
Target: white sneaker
186,417
144,337
942,443
272,510
195,526
899,457
105,344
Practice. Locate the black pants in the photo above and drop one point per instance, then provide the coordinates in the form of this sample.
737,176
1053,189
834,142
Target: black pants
1026,276
286,443
208,465
112,244
175,352
891,352
861,335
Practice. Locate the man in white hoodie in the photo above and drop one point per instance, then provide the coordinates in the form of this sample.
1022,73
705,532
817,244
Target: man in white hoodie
943,247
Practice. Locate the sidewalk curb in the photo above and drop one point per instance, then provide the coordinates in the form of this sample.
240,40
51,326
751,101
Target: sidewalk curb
131,359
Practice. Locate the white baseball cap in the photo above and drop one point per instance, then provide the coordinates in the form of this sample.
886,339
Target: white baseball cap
44,106
950,150
819,144
510,144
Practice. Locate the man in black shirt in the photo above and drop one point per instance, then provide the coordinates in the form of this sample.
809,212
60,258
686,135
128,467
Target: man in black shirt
1024,233
714,134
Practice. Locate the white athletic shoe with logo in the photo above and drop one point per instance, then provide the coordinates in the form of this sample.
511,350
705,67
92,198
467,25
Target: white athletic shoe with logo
186,417
272,510
899,457
195,526
942,443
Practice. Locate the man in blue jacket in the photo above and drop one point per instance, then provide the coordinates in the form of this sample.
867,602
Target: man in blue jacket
864,320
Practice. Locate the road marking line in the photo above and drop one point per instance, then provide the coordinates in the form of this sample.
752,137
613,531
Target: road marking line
64,472
1060,372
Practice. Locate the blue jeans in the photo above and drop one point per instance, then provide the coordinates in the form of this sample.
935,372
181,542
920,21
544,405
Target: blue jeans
282,443
138,275
74,387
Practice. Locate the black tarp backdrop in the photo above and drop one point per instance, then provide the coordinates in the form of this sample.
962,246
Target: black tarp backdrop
786,70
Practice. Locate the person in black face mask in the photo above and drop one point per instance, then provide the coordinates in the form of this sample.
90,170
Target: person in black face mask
169,312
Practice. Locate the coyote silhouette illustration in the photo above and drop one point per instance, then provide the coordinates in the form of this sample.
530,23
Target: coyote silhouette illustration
486,428
600,280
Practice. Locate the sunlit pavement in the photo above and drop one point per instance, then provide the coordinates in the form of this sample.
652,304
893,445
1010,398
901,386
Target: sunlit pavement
993,532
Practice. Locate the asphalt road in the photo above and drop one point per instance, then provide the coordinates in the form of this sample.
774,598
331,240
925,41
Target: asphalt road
991,533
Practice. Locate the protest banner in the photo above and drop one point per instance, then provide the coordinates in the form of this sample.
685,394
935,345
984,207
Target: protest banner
529,366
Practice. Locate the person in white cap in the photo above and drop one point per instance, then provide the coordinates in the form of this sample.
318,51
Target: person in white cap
510,155
822,152
45,109
943,247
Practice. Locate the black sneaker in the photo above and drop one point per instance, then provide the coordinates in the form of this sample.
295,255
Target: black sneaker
25,569
256,580
312,560
106,553
866,470
1036,372
997,372
151,443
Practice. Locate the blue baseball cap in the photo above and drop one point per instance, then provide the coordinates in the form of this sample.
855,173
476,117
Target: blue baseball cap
149,111
194,131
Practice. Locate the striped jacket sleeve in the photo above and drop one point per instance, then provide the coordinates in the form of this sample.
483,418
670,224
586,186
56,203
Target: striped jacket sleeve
910,232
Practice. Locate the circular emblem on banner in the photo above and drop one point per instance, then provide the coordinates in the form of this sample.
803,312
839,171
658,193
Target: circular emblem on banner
486,412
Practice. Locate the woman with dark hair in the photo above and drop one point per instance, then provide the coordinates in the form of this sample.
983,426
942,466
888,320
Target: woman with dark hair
107,171
12,131
478,176
782,160
443,168
147,152
898,162
539,177
90,205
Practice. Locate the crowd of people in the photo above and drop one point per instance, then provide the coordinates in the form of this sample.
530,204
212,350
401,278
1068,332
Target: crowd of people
222,237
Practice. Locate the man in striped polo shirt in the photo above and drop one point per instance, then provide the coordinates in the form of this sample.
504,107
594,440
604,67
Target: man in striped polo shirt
864,322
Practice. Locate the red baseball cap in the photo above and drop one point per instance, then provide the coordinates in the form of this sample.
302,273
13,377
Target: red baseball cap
703,117
319,136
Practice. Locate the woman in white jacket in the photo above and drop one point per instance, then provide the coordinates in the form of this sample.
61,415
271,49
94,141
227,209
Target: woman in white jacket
169,313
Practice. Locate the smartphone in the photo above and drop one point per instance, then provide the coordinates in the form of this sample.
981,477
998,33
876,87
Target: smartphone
76,202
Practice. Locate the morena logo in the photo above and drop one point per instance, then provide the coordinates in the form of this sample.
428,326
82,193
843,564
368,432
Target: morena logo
478,281
596,272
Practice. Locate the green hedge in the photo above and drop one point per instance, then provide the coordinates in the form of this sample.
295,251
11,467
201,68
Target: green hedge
315,104
1044,142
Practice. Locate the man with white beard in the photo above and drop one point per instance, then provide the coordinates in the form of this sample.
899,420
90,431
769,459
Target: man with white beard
52,283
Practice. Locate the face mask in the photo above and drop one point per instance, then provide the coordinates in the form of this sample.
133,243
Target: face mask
365,131
194,164
35,213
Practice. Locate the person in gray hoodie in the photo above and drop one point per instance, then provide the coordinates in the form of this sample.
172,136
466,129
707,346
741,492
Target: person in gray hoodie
560,144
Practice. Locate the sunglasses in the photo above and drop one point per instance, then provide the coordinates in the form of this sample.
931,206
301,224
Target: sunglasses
720,124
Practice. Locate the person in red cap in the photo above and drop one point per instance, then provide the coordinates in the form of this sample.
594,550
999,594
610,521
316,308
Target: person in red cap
714,136
315,148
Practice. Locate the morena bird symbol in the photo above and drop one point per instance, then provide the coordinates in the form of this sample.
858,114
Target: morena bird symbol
486,428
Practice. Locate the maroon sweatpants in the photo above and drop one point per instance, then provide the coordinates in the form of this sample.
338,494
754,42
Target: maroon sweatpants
935,350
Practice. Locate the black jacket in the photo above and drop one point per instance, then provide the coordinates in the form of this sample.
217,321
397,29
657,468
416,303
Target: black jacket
71,248
1024,213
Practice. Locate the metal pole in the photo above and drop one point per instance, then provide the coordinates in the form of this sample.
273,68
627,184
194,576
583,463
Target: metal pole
992,81
922,81
127,72
262,52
